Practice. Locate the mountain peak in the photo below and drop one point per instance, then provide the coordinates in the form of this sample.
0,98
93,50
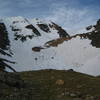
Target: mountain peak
32,44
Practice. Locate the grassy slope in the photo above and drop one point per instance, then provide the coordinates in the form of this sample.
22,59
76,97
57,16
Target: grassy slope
56,85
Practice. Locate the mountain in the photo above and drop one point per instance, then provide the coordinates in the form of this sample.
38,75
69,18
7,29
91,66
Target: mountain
18,33
33,44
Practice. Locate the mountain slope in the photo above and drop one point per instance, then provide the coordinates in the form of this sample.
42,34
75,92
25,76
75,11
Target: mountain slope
21,33
38,44
49,85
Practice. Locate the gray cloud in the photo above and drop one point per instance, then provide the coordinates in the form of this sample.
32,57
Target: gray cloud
74,20
73,15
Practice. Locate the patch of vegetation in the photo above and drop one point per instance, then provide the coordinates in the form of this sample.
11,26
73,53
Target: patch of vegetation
56,42
54,85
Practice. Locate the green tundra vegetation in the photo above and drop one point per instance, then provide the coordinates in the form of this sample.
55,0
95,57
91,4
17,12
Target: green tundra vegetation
49,85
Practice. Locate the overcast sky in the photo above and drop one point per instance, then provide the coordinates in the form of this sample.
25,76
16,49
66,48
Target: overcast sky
73,15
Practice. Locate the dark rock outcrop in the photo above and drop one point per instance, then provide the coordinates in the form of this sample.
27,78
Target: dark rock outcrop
33,29
94,35
37,49
4,65
4,40
61,32
4,45
44,27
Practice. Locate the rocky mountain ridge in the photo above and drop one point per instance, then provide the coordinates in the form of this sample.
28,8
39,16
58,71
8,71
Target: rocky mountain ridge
38,44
